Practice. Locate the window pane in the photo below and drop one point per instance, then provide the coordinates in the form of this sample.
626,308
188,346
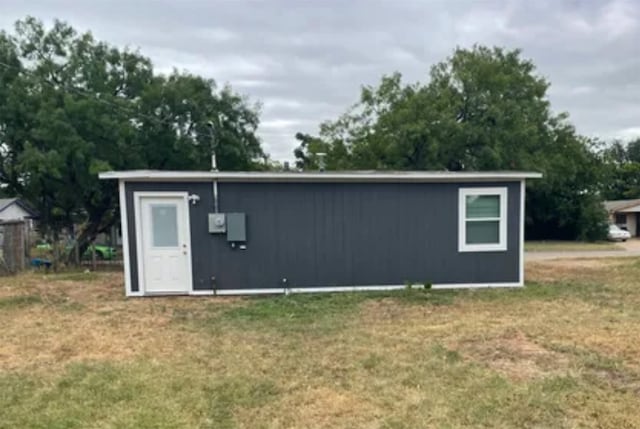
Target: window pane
164,218
483,206
483,232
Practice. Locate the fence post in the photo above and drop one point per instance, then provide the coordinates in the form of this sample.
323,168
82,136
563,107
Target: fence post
56,252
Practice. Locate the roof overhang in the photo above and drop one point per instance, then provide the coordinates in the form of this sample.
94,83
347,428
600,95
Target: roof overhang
348,176
622,206
633,209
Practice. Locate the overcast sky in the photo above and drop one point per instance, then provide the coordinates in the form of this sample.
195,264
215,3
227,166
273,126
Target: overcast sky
306,60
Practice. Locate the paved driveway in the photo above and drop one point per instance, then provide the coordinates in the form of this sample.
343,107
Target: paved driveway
629,249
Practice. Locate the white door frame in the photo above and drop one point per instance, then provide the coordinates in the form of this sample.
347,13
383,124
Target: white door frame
137,196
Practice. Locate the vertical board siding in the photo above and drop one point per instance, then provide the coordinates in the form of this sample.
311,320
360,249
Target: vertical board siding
338,234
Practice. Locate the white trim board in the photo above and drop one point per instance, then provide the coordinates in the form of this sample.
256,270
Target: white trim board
371,288
136,295
347,176
522,218
266,291
201,292
125,240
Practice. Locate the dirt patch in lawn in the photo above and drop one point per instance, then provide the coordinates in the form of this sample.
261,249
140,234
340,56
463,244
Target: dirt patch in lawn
392,310
621,380
386,310
514,356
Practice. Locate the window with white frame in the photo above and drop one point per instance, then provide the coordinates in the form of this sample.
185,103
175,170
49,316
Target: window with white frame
482,219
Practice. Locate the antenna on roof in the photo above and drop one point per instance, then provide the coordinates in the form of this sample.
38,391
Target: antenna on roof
214,162
321,160
215,138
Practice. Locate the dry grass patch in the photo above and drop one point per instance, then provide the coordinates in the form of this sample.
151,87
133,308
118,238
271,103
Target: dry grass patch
569,246
561,352
73,321
563,270
515,356
317,407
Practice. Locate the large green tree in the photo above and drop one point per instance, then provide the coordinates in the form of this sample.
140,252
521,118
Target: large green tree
481,109
622,172
72,106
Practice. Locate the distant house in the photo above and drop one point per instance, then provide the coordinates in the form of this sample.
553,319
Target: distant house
625,214
16,209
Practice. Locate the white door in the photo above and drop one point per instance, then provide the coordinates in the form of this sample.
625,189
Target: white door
164,243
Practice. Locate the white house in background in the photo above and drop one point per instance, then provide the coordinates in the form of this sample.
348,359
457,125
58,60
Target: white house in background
16,209
625,214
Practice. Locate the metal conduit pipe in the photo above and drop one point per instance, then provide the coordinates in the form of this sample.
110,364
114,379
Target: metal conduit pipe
214,167
215,196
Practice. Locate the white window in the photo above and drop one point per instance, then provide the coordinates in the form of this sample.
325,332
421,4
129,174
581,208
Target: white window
482,223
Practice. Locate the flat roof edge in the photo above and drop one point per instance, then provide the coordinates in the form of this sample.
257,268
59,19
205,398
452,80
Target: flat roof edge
229,176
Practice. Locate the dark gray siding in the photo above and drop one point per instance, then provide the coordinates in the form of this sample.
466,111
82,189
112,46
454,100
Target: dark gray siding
338,234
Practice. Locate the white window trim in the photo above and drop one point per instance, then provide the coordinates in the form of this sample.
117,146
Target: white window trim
501,246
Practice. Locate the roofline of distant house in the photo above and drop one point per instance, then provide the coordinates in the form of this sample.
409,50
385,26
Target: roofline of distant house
32,213
329,176
624,205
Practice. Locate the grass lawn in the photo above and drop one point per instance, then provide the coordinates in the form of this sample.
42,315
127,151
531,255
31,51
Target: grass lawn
567,246
562,352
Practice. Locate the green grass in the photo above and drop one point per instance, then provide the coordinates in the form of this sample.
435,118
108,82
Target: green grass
19,301
60,303
134,395
147,395
302,313
569,246
561,352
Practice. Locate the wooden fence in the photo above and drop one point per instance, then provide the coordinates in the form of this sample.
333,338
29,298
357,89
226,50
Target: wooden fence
14,247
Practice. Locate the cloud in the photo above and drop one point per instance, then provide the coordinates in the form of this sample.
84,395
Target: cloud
306,61
628,133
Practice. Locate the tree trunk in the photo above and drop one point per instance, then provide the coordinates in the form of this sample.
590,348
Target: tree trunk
94,264
101,218
90,231
76,255
87,236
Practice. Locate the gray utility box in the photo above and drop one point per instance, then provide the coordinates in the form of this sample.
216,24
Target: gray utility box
236,227
217,223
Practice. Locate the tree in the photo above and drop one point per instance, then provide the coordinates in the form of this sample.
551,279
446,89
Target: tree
71,107
481,109
633,150
622,166
309,148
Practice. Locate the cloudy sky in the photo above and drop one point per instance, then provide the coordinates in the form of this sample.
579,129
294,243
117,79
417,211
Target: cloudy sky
305,60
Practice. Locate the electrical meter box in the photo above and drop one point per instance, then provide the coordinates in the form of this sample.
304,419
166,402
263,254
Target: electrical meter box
217,223
236,227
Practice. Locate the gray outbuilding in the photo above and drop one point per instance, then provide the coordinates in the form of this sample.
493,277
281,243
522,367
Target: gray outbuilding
225,233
